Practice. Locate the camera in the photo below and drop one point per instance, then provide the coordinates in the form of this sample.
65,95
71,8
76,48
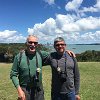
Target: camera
62,76
34,80
36,77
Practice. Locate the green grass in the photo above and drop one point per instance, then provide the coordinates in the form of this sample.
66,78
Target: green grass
90,80
89,89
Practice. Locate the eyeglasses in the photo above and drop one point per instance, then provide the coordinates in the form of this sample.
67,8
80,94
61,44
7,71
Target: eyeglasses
60,45
31,42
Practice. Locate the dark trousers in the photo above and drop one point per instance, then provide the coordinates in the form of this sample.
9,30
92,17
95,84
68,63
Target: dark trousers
33,93
67,96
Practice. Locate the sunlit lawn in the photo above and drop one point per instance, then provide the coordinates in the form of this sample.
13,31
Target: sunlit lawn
89,89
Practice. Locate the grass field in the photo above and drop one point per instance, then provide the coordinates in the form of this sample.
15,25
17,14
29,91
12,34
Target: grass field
89,89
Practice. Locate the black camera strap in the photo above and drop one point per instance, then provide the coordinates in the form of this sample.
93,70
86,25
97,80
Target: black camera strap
65,56
37,75
28,63
36,61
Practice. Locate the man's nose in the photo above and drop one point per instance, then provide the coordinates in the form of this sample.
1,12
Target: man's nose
33,43
60,45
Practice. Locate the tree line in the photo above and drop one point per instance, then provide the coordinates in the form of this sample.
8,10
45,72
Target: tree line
8,52
89,55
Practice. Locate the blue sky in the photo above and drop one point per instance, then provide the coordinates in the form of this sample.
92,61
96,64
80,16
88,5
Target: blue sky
77,21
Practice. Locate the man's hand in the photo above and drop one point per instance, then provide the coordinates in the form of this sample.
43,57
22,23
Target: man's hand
77,97
70,53
21,94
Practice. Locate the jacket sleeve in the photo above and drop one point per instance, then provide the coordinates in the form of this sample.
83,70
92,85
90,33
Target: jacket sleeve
14,72
76,77
45,58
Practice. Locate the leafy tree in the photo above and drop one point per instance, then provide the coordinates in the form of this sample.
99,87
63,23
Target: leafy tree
89,56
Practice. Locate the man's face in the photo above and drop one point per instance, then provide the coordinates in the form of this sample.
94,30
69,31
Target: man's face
60,47
32,43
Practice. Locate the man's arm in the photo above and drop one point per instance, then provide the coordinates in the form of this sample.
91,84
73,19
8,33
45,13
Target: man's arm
13,75
76,79
45,58
14,72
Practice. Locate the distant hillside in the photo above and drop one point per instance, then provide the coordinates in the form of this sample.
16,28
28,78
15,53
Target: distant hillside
89,44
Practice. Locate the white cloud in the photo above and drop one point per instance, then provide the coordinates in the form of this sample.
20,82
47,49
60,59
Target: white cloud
69,26
88,36
7,36
47,28
88,23
97,4
97,35
69,23
50,2
73,36
94,8
72,28
75,28
44,31
90,9
91,36
73,5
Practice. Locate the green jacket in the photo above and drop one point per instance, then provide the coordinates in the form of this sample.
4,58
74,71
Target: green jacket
22,74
